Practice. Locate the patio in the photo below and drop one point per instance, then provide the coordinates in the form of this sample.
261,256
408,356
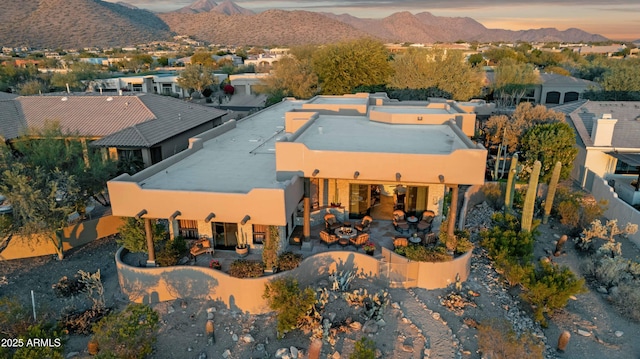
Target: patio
381,233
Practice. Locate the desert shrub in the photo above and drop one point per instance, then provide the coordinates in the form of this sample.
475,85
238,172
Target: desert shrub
42,331
497,340
514,273
365,348
14,318
493,193
288,261
505,239
242,268
576,210
463,244
171,251
420,253
609,271
290,303
628,300
129,334
549,288
67,287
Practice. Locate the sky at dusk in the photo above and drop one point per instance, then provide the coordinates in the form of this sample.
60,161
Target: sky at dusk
615,19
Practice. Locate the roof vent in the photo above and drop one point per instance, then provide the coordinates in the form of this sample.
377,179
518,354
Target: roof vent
109,98
64,98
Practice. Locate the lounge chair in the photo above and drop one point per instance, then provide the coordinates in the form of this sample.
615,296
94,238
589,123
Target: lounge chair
399,221
360,240
331,223
201,246
364,225
327,238
425,222
400,242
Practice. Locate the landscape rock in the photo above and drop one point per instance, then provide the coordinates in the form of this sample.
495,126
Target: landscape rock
282,353
619,333
294,352
247,338
226,354
584,333
234,337
370,327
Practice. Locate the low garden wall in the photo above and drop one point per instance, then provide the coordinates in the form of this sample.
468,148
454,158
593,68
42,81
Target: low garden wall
159,284
73,236
427,275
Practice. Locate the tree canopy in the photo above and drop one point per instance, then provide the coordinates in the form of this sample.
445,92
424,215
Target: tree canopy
196,78
291,76
550,143
444,70
343,66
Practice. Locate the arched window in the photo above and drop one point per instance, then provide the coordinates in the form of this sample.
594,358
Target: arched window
571,96
553,97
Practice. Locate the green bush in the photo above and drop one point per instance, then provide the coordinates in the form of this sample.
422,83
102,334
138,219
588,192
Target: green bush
129,334
498,340
288,261
171,251
290,303
242,268
493,192
421,253
506,240
365,348
628,301
42,331
576,210
14,318
133,237
549,288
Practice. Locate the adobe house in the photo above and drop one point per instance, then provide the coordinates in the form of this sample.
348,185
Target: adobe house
284,166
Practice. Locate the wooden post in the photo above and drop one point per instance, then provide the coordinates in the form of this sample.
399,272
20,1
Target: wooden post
453,210
151,261
306,225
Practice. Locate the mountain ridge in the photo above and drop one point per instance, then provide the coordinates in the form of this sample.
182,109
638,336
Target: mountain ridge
54,23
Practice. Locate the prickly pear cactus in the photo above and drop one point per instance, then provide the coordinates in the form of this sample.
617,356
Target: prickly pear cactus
530,199
551,192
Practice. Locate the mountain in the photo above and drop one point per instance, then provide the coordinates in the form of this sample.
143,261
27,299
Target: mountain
198,7
77,23
228,7
272,27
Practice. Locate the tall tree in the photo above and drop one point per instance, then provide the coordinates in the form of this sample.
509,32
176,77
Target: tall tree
550,143
346,65
196,78
441,69
290,77
512,80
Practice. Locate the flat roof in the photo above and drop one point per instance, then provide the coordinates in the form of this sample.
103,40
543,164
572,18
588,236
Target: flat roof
359,134
235,162
413,109
338,100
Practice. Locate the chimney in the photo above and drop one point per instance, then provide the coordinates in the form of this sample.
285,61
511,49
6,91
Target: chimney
602,132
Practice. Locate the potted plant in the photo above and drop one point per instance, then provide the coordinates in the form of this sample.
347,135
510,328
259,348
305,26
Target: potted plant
369,247
242,249
215,264
336,195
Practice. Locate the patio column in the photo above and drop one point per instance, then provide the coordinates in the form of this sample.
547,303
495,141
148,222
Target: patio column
151,261
306,219
453,210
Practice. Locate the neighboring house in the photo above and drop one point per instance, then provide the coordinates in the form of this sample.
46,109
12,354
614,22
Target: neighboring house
608,140
165,84
285,165
147,127
608,50
554,89
7,96
263,60
245,83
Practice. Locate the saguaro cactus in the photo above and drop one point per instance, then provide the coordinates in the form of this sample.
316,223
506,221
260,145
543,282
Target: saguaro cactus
511,184
551,192
530,199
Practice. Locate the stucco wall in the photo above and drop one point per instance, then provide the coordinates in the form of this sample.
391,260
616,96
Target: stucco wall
151,285
73,236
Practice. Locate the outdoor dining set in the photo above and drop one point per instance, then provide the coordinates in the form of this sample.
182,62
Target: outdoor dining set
344,233
412,229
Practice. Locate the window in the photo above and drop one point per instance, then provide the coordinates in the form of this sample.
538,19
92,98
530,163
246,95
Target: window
136,87
225,235
623,168
259,233
553,97
570,96
188,228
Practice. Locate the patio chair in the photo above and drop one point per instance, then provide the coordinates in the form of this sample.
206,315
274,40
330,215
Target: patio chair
359,240
201,246
327,238
364,225
400,242
400,222
425,223
331,223
430,239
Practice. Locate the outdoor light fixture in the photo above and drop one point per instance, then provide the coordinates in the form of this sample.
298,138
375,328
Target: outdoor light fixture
419,118
210,217
141,213
315,172
174,215
356,174
245,220
398,176
441,178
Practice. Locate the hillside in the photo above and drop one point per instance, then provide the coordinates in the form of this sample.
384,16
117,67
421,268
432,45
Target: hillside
272,27
77,23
